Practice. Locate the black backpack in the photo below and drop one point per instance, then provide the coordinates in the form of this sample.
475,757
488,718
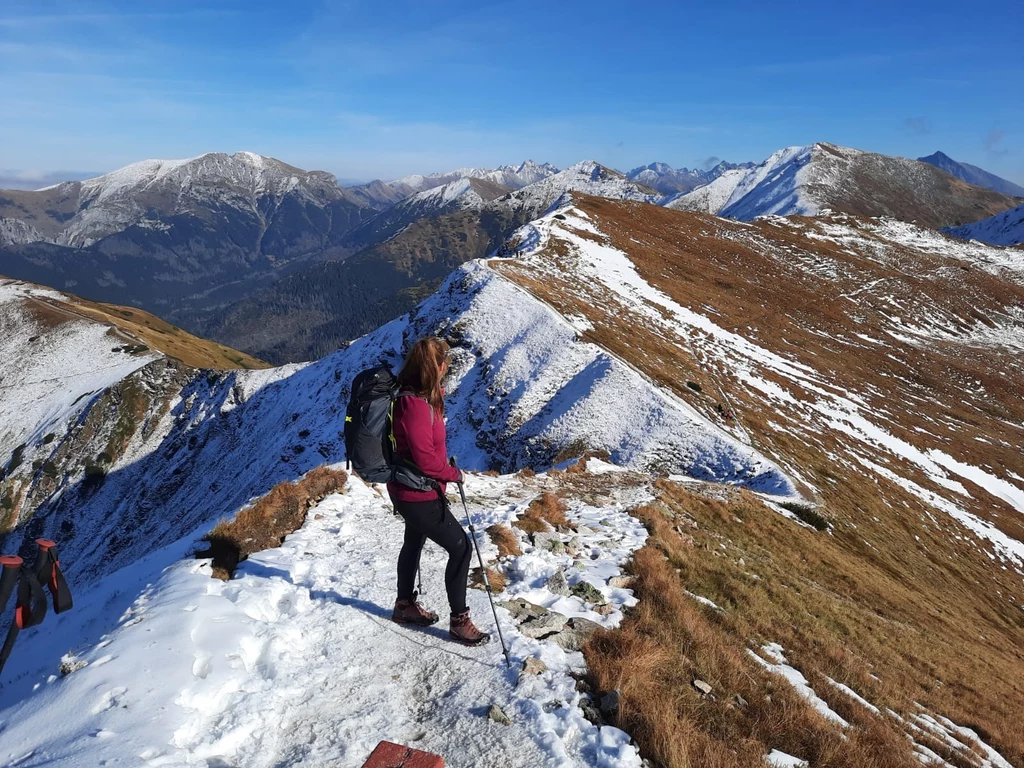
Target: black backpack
369,436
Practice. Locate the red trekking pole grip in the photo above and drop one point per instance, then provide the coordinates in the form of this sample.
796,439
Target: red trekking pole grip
10,561
46,544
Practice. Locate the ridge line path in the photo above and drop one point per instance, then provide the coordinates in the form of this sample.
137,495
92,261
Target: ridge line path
295,661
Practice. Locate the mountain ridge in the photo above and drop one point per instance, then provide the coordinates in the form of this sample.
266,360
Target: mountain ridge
809,179
972,174
1006,228
670,181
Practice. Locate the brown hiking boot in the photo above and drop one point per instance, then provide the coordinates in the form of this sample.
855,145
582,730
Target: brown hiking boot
411,612
461,629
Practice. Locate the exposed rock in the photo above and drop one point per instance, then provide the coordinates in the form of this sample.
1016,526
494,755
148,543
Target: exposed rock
558,584
621,582
605,610
703,687
592,713
610,704
545,625
496,714
583,625
534,666
687,521
686,538
70,663
522,609
587,592
739,701
545,539
575,633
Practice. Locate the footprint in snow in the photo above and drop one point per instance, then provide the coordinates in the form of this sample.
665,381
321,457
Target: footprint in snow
202,665
109,700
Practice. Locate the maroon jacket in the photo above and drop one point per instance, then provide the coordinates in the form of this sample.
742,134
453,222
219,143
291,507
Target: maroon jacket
420,438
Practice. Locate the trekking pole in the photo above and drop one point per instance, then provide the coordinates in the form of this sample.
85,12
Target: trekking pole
483,571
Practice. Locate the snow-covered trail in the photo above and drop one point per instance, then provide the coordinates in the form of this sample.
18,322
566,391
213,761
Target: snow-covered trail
295,661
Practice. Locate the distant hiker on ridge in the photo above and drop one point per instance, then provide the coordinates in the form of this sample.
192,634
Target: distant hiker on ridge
419,433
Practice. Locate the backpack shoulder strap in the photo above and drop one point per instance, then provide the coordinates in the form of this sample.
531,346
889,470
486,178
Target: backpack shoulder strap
405,393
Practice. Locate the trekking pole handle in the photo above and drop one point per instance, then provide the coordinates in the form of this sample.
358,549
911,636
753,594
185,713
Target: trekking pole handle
462,491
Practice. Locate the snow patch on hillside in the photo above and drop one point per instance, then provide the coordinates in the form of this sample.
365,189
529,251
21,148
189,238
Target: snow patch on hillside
601,264
17,232
50,373
1006,228
776,186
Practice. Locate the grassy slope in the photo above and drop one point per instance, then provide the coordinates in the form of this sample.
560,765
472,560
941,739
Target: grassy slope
896,589
139,327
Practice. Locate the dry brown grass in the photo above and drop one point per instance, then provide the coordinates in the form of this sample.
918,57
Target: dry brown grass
545,512
580,466
496,579
835,616
505,540
134,325
896,588
265,523
526,473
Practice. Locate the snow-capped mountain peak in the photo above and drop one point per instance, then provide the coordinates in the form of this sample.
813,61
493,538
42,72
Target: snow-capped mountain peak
972,174
512,176
672,181
806,180
589,177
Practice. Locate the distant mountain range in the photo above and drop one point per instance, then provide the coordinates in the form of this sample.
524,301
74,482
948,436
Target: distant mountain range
314,311
180,237
287,264
972,174
669,181
807,180
511,176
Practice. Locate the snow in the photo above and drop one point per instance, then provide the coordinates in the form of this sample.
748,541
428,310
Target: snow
131,195
780,759
778,665
1006,228
793,386
704,601
295,660
131,178
773,187
589,177
956,737
49,374
17,232
440,197
711,198
855,696
514,176
522,388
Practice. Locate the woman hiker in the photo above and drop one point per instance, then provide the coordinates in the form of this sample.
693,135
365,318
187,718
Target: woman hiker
419,430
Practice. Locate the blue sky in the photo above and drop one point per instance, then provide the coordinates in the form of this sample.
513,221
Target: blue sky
381,89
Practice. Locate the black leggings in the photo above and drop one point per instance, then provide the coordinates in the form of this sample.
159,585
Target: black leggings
433,520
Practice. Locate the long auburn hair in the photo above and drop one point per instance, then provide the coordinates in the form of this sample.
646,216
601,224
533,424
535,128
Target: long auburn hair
421,372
